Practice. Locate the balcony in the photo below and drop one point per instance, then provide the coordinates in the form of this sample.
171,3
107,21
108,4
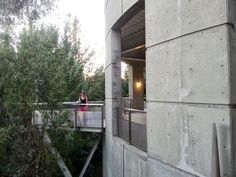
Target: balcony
92,120
132,126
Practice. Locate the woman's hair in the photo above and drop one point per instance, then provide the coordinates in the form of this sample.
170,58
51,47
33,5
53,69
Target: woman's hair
82,93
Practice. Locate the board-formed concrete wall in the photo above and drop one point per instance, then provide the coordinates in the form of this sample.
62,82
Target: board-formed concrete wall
191,51
188,51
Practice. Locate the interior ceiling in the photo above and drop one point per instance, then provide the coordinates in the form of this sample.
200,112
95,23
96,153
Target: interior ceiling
133,38
135,24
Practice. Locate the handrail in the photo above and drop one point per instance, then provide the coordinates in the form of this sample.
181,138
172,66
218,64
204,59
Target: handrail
131,110
71,104
134,110
96,103
85,104
74,106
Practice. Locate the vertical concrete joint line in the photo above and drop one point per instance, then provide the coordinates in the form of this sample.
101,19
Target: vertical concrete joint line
123,160
215,161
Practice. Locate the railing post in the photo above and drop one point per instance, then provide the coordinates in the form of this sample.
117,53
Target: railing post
118,121
76,112
130,135
102,115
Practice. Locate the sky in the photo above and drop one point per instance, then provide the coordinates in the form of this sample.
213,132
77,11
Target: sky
91,18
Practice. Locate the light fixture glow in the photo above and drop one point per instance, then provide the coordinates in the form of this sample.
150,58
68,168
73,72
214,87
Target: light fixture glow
138,84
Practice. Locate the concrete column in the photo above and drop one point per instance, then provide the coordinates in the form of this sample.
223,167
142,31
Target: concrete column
113,75
138,86
113,96
130,71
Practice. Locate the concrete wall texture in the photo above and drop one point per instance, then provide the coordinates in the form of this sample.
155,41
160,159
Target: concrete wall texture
191,51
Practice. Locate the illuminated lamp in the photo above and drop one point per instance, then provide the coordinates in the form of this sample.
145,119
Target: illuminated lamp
138,84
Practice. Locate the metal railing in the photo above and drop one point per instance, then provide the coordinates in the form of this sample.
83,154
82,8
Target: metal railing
132,127
92,118
127,102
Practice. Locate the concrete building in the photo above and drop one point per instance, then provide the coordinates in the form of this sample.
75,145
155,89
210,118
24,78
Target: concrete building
186,52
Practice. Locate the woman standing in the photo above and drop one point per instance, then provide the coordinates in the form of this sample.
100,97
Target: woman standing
82,108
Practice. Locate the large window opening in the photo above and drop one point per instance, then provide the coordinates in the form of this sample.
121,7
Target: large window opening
132,122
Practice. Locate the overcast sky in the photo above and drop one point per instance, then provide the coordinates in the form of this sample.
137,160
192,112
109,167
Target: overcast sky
91,18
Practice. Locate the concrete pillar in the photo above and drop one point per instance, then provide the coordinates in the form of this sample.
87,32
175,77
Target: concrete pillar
138,86
113,74
113,95
130,72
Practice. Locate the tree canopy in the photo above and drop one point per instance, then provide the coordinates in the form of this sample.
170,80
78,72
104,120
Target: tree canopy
24,11
40,65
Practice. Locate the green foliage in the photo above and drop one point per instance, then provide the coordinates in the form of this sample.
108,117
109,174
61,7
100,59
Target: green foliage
74,57
73,147
7,59
23,153
24,11
95,85
41,66
34,73
39,69
125,84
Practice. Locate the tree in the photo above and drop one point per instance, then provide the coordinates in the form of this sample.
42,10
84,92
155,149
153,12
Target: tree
7,59
95,85
26,11
32,72
42,67
76,57
125,84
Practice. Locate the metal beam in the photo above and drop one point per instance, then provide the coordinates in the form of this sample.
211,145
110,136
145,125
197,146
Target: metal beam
132,59
90,157
133,49
60,162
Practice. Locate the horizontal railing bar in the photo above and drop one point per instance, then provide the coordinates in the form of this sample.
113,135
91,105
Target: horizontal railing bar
89,102
82,104
134,110
70,103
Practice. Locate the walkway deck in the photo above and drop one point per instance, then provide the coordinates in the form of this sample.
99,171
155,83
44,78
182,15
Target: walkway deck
89,121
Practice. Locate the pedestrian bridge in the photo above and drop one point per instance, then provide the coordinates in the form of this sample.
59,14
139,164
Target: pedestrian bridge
68,116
